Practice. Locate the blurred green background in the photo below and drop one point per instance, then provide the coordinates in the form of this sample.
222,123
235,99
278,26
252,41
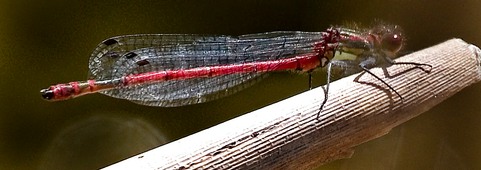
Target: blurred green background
47,42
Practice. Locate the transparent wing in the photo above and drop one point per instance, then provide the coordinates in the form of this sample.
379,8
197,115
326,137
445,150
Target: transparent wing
133,54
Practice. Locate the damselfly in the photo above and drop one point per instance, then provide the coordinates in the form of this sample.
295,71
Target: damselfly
180,69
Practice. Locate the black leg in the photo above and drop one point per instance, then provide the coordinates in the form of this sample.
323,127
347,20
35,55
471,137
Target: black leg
392,62
367,71
416,64
326,92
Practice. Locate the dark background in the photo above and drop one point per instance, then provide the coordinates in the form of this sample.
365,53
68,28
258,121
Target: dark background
47,42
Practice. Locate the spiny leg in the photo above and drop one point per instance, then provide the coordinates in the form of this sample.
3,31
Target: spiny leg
416,64
392,62
367,71
326,92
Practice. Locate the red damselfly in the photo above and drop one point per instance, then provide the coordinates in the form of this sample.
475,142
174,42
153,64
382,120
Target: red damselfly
180,69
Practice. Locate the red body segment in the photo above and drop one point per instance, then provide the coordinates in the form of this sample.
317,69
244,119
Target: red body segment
302,63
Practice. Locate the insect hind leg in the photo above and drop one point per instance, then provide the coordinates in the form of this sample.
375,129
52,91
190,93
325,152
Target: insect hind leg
326,90
420,65
371,61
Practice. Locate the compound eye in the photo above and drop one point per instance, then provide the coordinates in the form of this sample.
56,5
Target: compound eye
392,42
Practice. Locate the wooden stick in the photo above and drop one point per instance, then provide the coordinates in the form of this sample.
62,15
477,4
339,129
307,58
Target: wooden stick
286,135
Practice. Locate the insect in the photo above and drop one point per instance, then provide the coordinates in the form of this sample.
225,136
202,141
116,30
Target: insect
180,69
